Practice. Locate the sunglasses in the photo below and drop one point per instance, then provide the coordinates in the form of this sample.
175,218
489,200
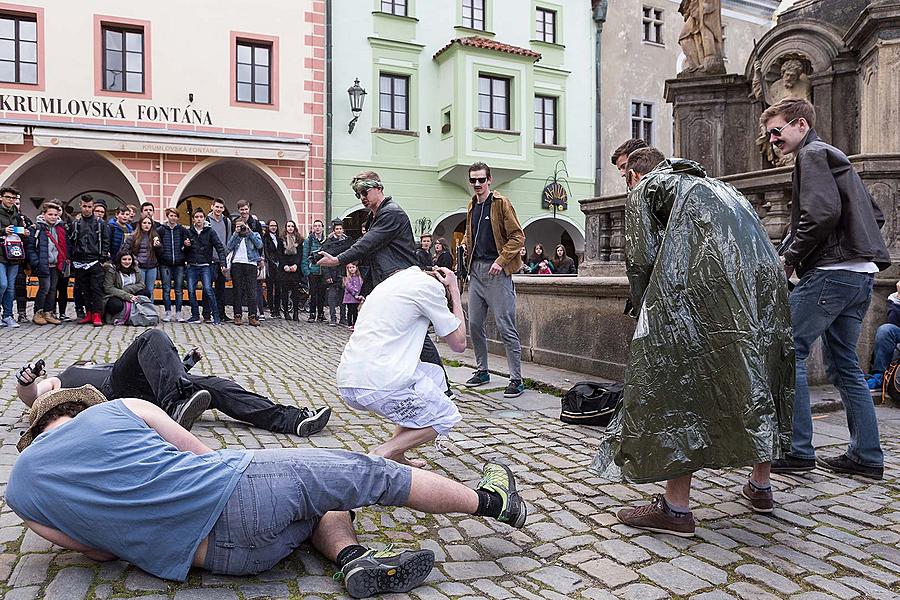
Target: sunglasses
479,180
361,195
776,131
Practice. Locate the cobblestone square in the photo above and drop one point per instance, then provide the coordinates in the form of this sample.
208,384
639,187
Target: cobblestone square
831,537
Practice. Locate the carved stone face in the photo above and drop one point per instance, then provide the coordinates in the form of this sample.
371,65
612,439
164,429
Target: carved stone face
791,72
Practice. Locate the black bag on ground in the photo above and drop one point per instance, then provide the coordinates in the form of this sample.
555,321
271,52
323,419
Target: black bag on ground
591,403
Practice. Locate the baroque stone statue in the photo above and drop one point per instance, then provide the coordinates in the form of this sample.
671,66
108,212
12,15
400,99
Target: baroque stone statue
701,37
794,83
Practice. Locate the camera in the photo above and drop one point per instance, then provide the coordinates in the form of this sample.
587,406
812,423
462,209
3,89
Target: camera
315,257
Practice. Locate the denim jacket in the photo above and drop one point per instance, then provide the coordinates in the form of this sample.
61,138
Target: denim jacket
254,245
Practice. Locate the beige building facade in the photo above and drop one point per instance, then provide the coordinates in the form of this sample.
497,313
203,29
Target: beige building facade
639,51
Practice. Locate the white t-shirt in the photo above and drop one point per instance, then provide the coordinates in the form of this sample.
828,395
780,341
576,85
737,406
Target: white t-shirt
240,253
384,350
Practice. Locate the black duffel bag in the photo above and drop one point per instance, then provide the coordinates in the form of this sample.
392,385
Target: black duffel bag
591,403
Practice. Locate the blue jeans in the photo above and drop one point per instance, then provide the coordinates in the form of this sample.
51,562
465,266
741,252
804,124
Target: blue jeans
149,281
831,305
202,273
280,498
166,274
886,339
8,287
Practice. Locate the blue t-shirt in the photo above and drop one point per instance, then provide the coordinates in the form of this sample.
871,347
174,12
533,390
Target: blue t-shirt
109,481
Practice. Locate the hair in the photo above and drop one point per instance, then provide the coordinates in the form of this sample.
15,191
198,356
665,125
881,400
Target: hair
534,255
85,198
319,221
443,243
425,235
100,205
132,207
198,210
121,210
217,201
644,160
363,175
120,268
790,109
66,409
291,241
138,236
9,190
50,205
335,223
480,166
171,211
145,205
627,148
242,203
556,260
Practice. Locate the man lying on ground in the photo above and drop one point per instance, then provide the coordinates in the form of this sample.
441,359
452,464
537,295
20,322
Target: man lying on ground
120,479
381,369
151,369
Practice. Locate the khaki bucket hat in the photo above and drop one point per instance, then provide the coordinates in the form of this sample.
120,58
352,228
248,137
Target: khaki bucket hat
86,394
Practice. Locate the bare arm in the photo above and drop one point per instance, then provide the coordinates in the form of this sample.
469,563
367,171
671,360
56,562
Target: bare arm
29,393
169,430
60,539
455,339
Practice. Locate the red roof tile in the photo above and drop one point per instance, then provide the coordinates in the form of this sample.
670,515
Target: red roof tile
488,44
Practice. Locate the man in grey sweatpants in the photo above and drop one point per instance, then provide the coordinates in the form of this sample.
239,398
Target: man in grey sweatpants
493,241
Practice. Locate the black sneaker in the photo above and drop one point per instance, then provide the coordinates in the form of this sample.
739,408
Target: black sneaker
225,319
790,464
385,572
515,389
187,412
499,479
478,378
311,423
845,464
311,319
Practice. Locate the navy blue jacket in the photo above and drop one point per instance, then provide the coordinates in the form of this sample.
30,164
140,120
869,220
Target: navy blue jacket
202,244
38,241
117,236
171,248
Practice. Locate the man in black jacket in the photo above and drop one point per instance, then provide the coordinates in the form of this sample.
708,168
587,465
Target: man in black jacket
199,245
171,262
835,246
89,247
388,245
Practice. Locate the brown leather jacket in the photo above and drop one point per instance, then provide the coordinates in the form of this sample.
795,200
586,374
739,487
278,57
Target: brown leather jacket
508,234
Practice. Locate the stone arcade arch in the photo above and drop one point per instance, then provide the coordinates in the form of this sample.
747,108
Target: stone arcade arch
549,232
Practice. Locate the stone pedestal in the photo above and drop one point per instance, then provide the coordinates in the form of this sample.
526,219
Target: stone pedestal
604,246
876,38
711,113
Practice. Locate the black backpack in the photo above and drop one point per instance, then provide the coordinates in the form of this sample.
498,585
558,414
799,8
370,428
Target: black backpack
591,403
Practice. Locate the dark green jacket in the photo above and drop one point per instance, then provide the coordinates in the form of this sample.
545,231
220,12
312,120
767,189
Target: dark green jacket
710,376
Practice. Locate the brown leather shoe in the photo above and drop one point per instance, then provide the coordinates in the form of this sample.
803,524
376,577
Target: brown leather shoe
51,319
38,318
254,321
656,517
760,500
236,320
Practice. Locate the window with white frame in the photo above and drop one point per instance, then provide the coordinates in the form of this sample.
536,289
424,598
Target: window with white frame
394,7
493,102
123,59
642,121
545,120
254,72
653,25
18,49
393,105
473,14
545,25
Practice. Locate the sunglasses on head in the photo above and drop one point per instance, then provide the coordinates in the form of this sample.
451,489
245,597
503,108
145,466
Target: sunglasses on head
479,180
776,131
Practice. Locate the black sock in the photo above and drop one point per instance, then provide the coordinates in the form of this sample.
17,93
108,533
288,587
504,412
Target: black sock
350,553
489,504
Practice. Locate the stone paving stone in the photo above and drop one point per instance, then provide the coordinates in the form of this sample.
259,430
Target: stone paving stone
518,564
748,591
23,593
30,570
713,595
868,588
558,578
138,580
464,571
206,594
69,584
813,596
832,587
265,590
768,578
608,573
642,591
701,569
715,554
672,578
623,552
492,589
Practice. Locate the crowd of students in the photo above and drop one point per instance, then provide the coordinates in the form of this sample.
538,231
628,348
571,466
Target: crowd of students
119,260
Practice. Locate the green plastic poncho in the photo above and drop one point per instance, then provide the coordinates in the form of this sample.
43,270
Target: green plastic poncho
710,376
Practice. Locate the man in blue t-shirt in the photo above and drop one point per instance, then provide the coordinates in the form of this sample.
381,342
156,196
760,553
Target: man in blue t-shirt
120,479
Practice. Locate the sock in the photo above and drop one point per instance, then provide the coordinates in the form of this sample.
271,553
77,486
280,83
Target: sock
678,511
759,488
489,504
350,553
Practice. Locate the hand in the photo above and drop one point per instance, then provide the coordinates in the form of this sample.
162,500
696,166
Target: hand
133,299
26,375
9,230
156,242
293,268
197,352
287,269
898,287
328,260
447,277
187,242
26,233
495,269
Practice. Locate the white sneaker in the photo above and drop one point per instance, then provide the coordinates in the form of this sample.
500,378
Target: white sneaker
180,318
10,322
167,317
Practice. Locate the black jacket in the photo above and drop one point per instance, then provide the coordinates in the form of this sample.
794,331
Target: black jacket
38,247
335,246
893,316
89,240
290,259
833,217
423,258
388,244
272,250
202,244
444,259
171,247
13,217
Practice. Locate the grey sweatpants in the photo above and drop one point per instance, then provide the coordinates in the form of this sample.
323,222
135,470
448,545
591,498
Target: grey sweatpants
498,293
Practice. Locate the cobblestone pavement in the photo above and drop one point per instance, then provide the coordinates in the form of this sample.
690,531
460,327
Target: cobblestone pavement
831,536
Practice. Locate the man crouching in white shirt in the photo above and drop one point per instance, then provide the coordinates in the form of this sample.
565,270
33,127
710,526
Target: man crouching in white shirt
380,370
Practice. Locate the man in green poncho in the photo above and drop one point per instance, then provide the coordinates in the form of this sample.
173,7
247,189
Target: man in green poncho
710,377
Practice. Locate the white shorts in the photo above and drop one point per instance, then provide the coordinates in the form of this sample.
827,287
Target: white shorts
423,404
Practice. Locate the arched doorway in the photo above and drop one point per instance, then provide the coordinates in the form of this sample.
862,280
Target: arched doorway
550,232
66,174
188,204
354,221
233,179
452,227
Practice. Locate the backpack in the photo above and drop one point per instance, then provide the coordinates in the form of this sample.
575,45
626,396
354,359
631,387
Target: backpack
591,403
890,382
13,249
143,313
